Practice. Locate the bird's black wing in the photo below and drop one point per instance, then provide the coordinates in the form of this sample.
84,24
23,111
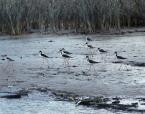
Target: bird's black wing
92,61
66,56
44,55
66,52
120,57
89,39
10,59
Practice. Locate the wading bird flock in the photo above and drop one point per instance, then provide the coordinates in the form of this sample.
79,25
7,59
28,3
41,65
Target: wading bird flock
66,55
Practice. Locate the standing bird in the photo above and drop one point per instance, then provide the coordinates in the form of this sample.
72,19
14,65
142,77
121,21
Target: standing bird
3,57
119,57
89,46
102,50
10,59
45,57
88,39
66,52
9,63
66,58
92,62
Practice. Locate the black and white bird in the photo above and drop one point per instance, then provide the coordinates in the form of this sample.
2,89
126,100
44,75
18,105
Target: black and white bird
43,55
91,61
66,59
10,59
64,55
119,57
88,39
10,64
102,50
89,46
65,52
3,57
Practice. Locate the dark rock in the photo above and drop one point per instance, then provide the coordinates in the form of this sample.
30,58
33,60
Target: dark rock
106,99
116,98
22,92
50,41
116,62
13,96
42,89
134,104
139,64
74,66
91,101
116,102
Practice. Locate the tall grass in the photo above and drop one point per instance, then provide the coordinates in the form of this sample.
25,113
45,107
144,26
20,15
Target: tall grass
18,16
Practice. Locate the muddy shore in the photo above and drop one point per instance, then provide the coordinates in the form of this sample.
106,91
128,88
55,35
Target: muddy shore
28,70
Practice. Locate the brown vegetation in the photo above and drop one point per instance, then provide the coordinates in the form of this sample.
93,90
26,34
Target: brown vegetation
18,16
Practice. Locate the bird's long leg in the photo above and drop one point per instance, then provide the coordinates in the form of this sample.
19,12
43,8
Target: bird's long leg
11,67
126,67
102,57
42,62
120,67
94,68
47,63
7,67
4,67
89,68
68,65
91,52
65,63
105,57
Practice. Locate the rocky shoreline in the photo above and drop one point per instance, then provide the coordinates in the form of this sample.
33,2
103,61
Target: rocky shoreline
99,102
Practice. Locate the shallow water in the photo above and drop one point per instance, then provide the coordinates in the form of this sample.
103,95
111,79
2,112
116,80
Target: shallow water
42,103
107,80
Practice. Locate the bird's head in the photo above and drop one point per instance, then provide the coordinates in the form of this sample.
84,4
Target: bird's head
40,51
60,50
115,52
98,48
87,56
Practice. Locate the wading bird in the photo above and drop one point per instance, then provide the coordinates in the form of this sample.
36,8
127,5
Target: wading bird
92,62
89,46
45,57
3,57
66,52
10,59
120,58
66,58
102,51
9,63
88,39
